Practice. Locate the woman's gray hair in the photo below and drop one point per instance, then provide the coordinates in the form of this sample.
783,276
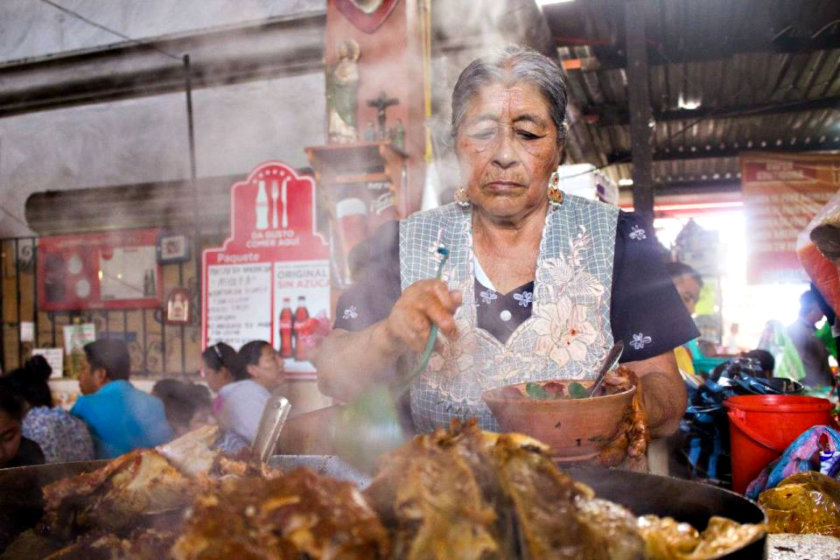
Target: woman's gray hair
511,65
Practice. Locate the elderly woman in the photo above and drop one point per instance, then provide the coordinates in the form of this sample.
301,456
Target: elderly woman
538,285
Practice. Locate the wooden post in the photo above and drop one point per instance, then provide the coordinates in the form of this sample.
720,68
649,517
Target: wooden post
640,111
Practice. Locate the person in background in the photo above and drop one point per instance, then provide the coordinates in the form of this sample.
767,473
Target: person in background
15,449
732,346
688,283
765,359
188,406
62,437
120,417
240,400
263,363
811,350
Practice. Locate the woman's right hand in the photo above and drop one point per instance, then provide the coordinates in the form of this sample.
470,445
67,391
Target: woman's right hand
421,305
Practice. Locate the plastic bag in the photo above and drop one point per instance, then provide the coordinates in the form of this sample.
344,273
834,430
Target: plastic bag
802,455
823,232
807,502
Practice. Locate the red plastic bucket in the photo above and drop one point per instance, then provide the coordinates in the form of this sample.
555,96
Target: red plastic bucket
762,426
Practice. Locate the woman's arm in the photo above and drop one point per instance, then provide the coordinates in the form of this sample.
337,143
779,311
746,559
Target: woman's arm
663,392
348,362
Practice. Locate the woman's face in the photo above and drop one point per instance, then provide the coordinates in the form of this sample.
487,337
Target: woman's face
507,149
216,378
268,369
9,438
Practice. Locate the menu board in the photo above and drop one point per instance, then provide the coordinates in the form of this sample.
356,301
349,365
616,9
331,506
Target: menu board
271,279
237,296
782,192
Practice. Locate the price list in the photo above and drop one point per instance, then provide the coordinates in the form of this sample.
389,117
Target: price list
239,303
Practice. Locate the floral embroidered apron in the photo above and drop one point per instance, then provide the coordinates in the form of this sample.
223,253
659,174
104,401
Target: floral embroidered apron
567,335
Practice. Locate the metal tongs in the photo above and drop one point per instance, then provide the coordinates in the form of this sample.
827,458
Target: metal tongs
274,415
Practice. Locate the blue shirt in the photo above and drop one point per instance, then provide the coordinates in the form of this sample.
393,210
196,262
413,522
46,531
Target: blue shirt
122,418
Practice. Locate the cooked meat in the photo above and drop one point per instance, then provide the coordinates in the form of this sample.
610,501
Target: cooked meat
609,530
118,496
28,545
667,539
543,501
441,491
300,515
628,448
147,545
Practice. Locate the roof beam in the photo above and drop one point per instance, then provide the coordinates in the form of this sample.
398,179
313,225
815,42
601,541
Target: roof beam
712,186
614,115
282,46
823,143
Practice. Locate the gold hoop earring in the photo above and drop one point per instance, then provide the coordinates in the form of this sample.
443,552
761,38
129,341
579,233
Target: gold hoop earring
555,193
461,197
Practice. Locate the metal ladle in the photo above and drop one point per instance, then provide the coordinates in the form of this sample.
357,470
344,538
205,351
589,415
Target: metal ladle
607,365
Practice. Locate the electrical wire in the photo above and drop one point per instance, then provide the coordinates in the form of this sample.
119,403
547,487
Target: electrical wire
80,17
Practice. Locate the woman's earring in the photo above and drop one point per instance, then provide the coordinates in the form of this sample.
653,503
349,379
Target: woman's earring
555,193
461,197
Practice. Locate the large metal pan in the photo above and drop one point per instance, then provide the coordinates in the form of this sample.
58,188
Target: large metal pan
683,500
21,504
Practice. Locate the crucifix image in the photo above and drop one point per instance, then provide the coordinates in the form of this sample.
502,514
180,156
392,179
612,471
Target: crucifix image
382,103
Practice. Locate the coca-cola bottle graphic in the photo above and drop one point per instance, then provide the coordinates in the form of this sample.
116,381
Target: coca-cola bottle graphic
300,329
286,323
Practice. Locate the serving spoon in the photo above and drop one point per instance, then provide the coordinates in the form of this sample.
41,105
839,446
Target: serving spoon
607,365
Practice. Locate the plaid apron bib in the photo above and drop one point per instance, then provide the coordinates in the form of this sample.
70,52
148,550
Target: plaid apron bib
567,335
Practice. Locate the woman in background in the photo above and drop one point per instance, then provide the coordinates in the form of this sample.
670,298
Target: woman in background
62,437
188,406
239,399
15,449
263,363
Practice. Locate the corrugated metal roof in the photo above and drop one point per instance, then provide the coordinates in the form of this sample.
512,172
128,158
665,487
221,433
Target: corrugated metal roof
759,74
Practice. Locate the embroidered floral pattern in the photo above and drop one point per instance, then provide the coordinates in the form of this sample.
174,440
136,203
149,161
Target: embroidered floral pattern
350,313
524,299
565,331
640,340
487,296
567,280
637,233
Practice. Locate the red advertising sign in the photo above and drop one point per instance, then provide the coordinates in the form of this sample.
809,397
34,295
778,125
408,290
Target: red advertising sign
271,279
114,269
782,193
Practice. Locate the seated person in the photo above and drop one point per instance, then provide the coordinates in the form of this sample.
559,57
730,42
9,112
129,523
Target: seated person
240,400
263,363
694,356
119,416
15,449
187,405
62,437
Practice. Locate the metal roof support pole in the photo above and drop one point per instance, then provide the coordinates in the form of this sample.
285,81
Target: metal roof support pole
640,111
196,209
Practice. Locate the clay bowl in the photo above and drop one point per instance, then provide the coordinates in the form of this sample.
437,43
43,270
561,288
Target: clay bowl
575,429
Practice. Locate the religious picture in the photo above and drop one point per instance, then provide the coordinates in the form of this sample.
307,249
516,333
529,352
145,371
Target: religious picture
342,94
178,307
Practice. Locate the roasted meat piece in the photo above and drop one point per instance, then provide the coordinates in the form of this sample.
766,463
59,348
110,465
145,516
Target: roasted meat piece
299,515
122,494
150,544
486,495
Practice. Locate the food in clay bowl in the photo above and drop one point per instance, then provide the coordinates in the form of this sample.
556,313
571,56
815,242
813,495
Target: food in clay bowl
561,414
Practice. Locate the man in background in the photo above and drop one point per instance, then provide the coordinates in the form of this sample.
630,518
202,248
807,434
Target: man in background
119,416
811,350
